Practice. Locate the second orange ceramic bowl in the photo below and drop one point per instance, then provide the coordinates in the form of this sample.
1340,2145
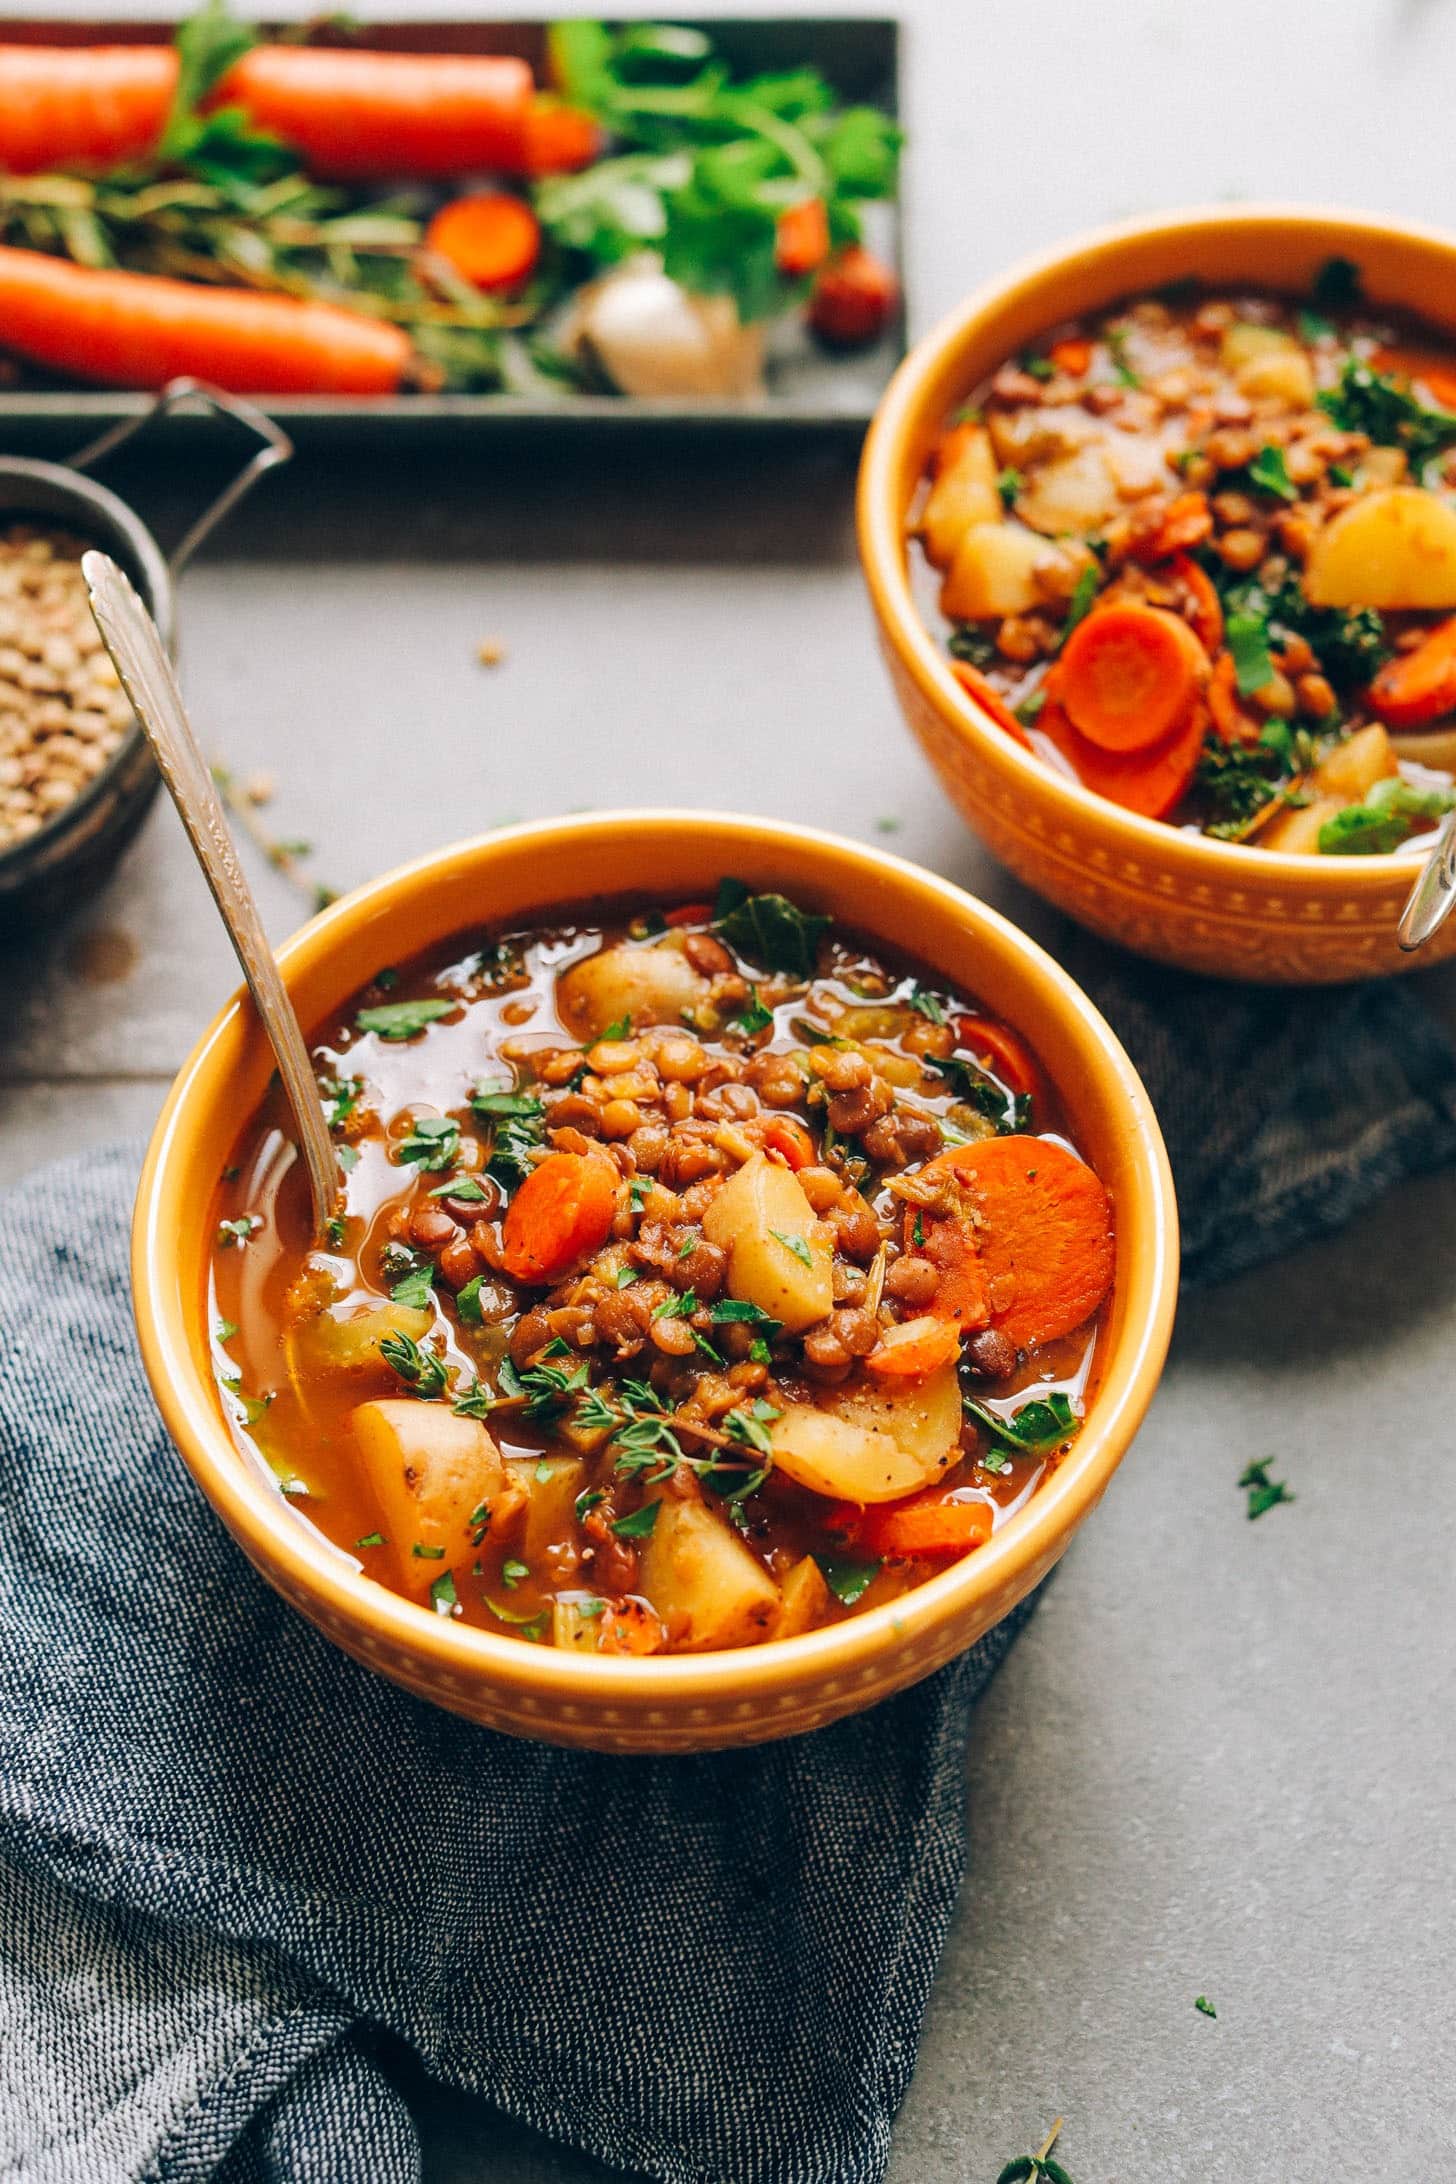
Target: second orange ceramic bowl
1211,906
697,1701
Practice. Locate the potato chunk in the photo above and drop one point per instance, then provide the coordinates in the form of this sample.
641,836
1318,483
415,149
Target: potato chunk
1298,829
430,1472
806,1599
922,1416
964,493
779,1256
995,572
348,1341
702,1580
835,1457
1391,549
1077,492
1352,769
549,1485
650,985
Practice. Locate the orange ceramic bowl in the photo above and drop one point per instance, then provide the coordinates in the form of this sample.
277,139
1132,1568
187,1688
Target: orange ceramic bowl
1212,906
699,1701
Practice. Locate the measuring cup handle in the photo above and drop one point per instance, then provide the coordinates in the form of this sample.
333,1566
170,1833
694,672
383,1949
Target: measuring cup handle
277,448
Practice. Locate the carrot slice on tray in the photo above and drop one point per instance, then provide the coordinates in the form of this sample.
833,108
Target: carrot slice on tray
802,241
492,239
1416,687
1129,675
561,1212
82,106
1150,783
1038,1224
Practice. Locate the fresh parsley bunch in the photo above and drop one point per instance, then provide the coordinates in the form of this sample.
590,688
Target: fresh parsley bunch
707,165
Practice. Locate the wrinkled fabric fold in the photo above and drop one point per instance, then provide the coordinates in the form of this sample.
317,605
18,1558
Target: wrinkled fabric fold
231,1860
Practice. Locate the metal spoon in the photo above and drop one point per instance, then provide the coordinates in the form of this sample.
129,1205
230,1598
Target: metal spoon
135,645
1431,900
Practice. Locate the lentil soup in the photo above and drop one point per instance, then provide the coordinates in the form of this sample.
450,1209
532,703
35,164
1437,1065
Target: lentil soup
702,1276
1198,551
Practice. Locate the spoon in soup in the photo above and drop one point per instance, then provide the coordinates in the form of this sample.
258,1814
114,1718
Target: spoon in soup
1431,900
134,642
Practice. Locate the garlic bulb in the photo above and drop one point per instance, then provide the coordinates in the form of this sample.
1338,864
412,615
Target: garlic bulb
653,339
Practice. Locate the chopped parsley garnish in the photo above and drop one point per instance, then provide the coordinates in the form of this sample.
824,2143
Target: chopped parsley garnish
467,1301
1264,1493
341,1097
1247,637
401,1019
1269,472
797,1244
234,1234
926,1004
1314,327
586,1503
769,929
225,1330
753,1017
738,1312
512,1572
347,1157
1029,710
977,1089
431,1143
1081,601
519,1130
427,1554
1122,371
548,1389
422,1371
1376,404
1008,485
1037,367
415,1288
848,1581
370,1539
1035,1430
616,1032
975,643
637,1525
466,1188
1201,2002
442,1595
533,1625
1383,821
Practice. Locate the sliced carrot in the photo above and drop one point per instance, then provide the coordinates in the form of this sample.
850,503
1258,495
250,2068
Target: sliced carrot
1438,378
140,330
915,1348
854,299
492,240
787,1136
690,913
560,1214
802,242
550,138
1150,783
1129,674
1206,620
988,697
1040,1224
1071,355
998,1048
932,1523
82,106
629,1626
1233,723
1415,687
949,1244
1188,522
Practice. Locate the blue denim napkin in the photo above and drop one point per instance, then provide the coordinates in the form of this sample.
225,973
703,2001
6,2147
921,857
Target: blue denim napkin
232,1862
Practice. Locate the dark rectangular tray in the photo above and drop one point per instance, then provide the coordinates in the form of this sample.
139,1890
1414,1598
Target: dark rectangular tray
808,389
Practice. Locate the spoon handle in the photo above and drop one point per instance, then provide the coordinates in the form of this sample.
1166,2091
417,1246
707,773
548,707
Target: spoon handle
146,676
1431,899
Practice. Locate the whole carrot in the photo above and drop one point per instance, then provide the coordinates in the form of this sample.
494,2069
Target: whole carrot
82,106
138,330
348,114
353,114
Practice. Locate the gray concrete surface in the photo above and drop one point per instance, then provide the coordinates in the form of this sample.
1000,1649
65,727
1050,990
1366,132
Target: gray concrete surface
1221,1760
